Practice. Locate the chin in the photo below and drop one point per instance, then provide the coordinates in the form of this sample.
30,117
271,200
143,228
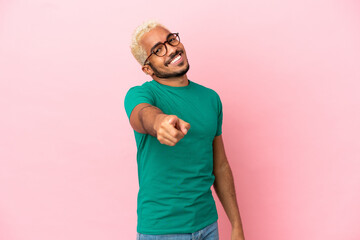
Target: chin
171,74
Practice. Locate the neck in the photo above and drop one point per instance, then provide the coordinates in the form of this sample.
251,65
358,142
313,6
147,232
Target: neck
181,81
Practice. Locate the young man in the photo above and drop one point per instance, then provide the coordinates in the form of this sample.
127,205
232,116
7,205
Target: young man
177,125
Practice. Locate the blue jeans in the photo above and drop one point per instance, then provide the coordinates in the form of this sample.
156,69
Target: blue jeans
210,232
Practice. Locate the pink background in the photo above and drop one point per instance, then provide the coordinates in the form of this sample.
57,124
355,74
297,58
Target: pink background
288,75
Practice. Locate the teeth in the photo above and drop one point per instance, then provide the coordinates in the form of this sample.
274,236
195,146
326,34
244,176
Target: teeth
176,59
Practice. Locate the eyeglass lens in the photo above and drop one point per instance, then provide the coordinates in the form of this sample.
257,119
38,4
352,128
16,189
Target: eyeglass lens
160,50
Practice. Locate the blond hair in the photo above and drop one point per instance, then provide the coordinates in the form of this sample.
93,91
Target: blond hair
136,49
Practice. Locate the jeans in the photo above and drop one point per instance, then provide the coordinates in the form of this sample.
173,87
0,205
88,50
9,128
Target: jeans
210,232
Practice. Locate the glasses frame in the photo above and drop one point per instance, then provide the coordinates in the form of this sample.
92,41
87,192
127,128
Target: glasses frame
163,43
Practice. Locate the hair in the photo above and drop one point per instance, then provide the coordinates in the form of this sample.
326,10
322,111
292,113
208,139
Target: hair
136,49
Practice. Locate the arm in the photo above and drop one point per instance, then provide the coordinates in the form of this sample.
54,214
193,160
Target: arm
148,119
225,189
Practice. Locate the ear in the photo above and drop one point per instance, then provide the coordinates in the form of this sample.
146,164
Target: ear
147,70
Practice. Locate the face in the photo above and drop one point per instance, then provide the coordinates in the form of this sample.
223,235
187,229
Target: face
173,64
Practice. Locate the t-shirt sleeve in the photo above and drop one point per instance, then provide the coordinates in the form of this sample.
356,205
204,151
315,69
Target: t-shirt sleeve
220,116
135,96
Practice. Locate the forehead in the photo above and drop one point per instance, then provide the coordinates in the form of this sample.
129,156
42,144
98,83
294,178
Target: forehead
155,35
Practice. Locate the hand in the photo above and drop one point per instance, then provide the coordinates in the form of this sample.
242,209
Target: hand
237,234
170,129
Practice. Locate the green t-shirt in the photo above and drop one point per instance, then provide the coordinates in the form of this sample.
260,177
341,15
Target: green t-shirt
174,194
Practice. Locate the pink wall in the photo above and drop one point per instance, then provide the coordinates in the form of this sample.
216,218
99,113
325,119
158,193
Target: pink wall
287,72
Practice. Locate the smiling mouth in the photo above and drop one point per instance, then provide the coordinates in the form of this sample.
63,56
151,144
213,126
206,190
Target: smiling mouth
176,59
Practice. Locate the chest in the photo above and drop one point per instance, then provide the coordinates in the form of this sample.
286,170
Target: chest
200,111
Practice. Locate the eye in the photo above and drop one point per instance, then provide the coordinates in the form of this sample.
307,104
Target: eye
157,50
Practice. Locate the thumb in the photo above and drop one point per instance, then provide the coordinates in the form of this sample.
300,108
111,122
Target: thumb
184,126
173,120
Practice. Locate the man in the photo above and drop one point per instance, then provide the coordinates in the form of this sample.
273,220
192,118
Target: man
177,125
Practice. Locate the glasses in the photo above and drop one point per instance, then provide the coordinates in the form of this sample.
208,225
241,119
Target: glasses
160,49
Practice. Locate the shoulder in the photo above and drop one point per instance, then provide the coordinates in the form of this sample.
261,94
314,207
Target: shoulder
136,95
206,90
144,89
140,93
145,86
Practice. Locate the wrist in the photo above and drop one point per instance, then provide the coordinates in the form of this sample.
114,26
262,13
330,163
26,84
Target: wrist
158,119
237,233
237,226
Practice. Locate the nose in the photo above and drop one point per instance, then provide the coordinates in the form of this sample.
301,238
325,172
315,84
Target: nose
170,49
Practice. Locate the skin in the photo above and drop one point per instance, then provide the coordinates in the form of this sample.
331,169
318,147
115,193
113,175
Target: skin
169,129
225,188
148,40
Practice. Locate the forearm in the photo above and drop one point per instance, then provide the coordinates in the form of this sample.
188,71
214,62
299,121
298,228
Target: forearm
148,117
225,190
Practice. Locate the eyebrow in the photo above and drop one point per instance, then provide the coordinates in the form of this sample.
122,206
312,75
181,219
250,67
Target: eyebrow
160,42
